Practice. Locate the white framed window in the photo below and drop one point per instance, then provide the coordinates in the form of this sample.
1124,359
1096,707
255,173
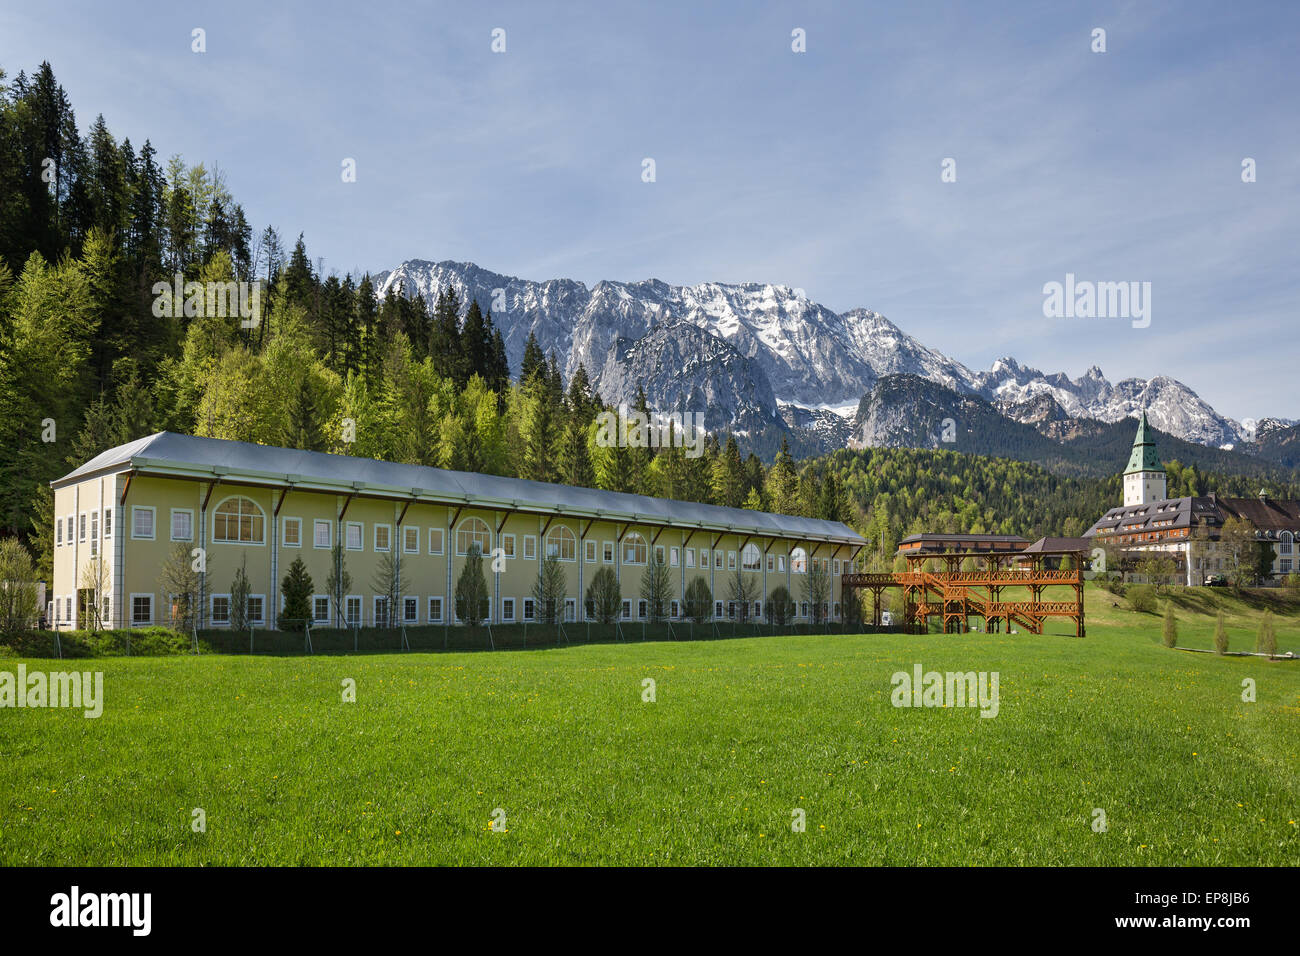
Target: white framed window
731,560
507,609
142,522
589,551
641,608
627,610
435,609
771,563
81,526
562,544
704,558
94,526
291,533
570,609
659,553
608,551
750,558
673,608
508,545
320,608
182,524
473,532
731,610
803,609
220,614
799,563
717,609
530,547
411,540
257,609
58,532
634,549
108,611
355,536
108,522
435,541
383,537
352,610
238,520
674,558
717,560
410,609
322,533
690,557
529,609
381,610
141,609
780,563
837,565
758,610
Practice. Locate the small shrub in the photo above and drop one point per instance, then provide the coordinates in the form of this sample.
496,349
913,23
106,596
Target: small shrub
1142,598
1265,639
1171,627
1220,635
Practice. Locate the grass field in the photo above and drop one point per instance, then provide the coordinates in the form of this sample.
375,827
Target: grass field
742,732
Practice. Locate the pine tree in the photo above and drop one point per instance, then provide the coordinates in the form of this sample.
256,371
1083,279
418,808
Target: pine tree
534,360
297,588
472,590
539,434
1220,635
728,476
1265,639
1170,634
604,597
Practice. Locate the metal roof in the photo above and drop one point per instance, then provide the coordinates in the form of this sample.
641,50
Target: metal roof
1143,457
187,456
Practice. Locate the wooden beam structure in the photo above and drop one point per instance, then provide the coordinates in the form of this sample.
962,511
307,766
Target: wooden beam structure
955,596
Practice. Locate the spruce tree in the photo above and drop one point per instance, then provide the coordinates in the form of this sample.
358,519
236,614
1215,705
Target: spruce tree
297,588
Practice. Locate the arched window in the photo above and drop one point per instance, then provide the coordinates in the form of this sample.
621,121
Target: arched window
1286,543
634,549
562,544
473,532
238,520
750,558
799,561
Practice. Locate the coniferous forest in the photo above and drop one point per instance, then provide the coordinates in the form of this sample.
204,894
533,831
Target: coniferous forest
90,225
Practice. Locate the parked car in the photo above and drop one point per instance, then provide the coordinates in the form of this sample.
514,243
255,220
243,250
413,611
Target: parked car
1216,581
886,619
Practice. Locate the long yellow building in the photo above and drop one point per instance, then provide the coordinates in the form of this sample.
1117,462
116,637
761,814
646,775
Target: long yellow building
120,518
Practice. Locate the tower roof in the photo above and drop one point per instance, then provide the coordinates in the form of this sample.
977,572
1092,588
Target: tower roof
1144,457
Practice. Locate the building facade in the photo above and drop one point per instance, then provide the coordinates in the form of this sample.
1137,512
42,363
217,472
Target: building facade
123,517
1189,529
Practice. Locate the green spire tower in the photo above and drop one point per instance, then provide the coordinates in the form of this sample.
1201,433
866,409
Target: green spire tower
1144,478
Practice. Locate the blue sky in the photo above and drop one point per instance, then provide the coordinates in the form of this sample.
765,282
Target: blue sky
818,170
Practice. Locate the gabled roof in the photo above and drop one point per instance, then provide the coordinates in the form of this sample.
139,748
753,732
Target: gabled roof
1058,545
1144,457
188,456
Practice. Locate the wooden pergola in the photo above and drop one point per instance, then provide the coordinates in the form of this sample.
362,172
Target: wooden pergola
955,596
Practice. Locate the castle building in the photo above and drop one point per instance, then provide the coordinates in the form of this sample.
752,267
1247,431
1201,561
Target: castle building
1144,478
1189,529
125,518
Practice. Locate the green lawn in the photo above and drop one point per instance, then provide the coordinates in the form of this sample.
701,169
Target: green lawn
742,732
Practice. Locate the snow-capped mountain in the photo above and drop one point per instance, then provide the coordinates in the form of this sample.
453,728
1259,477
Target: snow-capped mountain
754,353
1170,405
